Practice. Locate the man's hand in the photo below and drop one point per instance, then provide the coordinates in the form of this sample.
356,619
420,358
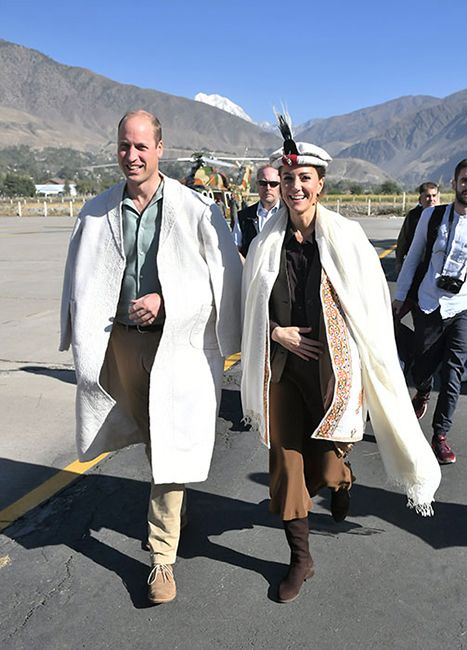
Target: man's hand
293,340
241,256
397,309
144,310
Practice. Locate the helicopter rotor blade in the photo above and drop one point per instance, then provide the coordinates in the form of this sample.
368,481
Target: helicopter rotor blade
217,162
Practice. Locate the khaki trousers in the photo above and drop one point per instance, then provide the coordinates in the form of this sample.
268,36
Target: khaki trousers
129,359
299,465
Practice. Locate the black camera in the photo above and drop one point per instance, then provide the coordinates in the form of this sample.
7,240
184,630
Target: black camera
452,285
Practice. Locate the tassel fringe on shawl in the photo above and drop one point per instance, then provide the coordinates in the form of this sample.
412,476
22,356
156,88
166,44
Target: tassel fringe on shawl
355,272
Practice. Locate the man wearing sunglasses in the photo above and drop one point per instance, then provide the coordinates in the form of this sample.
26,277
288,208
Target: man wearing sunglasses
251,220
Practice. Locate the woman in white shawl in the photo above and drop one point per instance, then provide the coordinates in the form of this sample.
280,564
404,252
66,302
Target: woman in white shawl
318,353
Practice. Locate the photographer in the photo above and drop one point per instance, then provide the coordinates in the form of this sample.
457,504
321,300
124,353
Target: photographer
433,275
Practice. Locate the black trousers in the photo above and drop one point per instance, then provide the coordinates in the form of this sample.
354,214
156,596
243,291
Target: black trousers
440,342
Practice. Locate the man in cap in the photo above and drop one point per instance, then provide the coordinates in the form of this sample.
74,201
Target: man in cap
250,221
151,306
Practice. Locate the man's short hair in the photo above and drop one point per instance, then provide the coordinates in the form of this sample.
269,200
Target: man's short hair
262,168
429,185
156,125
460,165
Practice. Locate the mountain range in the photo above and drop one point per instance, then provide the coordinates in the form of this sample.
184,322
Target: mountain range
411,138
46,103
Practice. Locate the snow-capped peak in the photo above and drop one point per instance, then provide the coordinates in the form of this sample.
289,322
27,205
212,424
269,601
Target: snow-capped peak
267,126
224,104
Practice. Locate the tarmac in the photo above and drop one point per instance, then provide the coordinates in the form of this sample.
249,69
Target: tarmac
72,568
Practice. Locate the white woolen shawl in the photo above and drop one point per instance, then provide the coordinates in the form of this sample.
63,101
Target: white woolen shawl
354,270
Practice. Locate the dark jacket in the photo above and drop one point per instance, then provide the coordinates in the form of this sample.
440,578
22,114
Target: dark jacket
248,222
406,234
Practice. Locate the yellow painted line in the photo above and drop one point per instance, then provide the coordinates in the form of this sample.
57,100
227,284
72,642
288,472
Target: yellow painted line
61,479
5,560
387,252
231,361
46,490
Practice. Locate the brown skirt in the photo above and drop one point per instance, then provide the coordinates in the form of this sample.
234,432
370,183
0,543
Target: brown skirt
299,466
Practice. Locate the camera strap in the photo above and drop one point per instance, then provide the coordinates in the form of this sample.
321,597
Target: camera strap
432,232
448,241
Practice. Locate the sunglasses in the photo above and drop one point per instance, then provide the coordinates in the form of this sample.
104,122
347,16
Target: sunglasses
266,183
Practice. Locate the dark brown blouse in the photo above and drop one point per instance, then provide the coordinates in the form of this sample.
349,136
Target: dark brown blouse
302,267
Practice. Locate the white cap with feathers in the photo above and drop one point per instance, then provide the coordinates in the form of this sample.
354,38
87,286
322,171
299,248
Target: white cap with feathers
296,153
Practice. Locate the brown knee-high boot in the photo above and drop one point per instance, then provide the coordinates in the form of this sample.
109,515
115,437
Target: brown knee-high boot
301,563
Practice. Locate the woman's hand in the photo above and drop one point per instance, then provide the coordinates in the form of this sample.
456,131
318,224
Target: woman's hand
294,340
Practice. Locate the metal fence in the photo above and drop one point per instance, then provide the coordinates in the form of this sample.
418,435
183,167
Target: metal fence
41,207
361,205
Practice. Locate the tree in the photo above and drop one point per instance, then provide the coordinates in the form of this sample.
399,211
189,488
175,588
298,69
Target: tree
390,187
355,188
16,185
87,186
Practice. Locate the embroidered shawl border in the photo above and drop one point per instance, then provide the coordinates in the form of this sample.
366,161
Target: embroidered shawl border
339,349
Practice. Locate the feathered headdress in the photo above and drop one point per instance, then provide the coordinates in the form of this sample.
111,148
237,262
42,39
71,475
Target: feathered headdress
296,153
285,127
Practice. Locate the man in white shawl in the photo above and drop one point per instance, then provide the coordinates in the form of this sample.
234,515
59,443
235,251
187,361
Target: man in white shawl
151,306
318,353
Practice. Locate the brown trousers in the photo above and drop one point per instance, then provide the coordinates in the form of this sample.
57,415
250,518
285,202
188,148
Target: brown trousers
299,466
129,358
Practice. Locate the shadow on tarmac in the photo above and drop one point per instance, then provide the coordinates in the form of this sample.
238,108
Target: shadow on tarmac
447,528
97,504
66,375
95,507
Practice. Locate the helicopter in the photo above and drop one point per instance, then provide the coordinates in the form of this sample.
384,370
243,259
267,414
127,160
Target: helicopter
228,187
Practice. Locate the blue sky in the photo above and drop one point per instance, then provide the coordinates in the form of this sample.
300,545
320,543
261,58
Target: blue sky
319,58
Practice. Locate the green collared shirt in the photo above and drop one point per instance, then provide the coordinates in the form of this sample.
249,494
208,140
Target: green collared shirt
140,242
